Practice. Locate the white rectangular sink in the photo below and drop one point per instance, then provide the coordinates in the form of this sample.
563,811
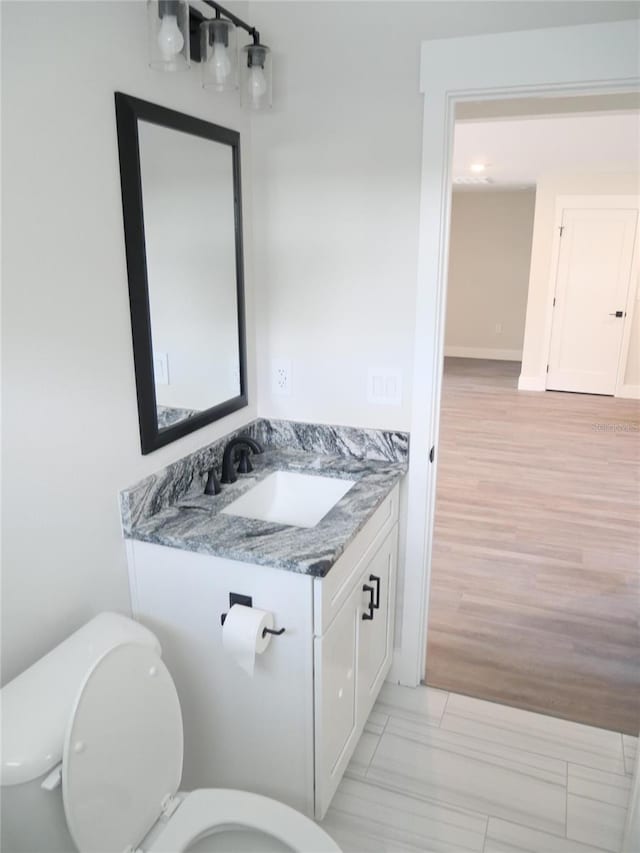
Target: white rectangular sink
301,500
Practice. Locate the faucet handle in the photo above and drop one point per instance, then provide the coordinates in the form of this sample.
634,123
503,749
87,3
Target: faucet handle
213,486
244,465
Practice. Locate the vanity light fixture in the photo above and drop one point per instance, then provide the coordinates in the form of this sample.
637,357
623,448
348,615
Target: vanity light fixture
255,92
219,54
168,27
180,34
477,167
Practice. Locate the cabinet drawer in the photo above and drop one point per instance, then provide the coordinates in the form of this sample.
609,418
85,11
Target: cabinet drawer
331,592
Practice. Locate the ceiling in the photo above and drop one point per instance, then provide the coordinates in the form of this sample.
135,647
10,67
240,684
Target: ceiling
519,150
503,108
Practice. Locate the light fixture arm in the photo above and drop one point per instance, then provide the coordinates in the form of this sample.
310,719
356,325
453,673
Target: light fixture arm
220,10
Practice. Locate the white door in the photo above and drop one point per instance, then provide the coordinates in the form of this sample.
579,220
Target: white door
592,283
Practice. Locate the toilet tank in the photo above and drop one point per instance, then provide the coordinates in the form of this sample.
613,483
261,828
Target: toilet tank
36,707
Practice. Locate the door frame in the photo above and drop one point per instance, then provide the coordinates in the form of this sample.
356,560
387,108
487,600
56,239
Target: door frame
596,202
587,59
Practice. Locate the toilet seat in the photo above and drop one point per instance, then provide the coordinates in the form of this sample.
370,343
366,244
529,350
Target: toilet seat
209,810
122,765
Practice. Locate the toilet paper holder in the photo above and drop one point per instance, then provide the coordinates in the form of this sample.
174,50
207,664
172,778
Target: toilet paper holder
247,601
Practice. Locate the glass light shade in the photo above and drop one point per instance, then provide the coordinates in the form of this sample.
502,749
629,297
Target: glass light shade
168,26
255,77
219,54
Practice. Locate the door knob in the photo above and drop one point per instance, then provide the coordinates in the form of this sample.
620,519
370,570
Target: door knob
617,314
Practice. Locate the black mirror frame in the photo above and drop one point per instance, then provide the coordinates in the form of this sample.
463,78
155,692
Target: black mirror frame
128,111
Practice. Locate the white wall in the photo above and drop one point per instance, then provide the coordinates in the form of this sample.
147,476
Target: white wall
336,191
537,326
337,177
70,438
489,256
632,373
339,161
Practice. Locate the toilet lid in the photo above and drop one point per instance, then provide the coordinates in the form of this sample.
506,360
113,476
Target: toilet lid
123,750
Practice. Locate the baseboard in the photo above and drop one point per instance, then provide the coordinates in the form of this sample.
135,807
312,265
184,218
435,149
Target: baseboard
481,352
538,383
399,672
532,383
630,392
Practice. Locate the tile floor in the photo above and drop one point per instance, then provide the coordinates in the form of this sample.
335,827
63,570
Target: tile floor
436,771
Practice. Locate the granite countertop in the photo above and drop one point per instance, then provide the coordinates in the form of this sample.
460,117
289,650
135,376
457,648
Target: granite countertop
195,521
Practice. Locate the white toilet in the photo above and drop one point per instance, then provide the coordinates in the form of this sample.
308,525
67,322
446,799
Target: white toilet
92,760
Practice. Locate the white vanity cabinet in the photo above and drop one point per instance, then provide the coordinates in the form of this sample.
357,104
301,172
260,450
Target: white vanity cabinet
289,731
351,660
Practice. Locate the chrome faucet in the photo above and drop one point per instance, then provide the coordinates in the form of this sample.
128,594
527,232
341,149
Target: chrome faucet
242,441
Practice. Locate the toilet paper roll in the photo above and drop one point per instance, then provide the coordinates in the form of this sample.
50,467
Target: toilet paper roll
242,635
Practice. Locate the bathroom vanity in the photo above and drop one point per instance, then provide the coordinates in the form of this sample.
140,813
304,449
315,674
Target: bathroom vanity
288,731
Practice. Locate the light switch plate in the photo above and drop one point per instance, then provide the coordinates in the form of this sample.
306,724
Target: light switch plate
161,368
234,375
384,386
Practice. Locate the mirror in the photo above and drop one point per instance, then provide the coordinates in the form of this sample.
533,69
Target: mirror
181,199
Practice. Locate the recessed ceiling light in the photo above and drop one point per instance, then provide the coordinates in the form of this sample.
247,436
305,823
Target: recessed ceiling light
478,167
472,179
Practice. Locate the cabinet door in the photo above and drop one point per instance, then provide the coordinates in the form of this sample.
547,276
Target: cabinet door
336,728
375,642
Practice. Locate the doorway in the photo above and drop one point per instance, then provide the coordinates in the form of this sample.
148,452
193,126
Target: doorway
555,62
558,62
533,575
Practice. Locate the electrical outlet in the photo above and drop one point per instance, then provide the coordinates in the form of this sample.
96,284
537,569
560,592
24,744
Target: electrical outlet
498,328
281,377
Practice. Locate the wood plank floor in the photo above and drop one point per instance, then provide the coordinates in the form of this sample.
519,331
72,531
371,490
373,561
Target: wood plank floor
535,590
